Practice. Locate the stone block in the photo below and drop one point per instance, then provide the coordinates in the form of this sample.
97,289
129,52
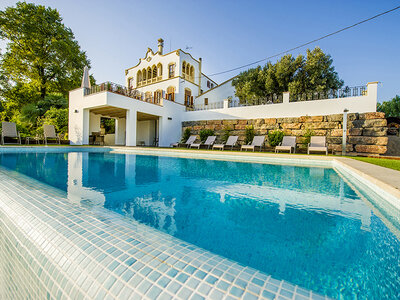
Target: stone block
291,125
322,125
375,123
375,131
335,118
334,140
286,131
372,115
354,131
197,127
214,122
269,126
240,127
369,123
270,121
242,122
371,149
336,132
368,140
229,122
338,147
352,116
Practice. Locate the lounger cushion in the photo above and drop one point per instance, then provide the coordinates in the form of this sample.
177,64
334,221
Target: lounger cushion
311,148
284,148
248,146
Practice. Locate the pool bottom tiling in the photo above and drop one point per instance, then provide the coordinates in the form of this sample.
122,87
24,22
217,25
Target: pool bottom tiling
124,225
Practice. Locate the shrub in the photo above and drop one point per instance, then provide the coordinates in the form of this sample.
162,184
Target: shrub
227,133
57,117
186,134
205,133
249,134
275,137
307,136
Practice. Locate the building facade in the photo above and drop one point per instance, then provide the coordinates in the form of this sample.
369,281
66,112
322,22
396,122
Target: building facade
164,90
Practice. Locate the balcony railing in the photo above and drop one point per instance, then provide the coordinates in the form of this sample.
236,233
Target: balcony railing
121,90
330,94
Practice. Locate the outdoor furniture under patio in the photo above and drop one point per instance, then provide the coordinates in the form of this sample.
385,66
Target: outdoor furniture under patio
317,144
9,131
209,142
188,142
231,142
258,141
288,143
49,132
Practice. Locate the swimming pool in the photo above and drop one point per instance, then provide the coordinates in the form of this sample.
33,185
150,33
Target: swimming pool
306,225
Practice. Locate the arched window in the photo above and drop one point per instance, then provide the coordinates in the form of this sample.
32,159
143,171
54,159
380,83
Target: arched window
171,70
184,68
192,73
130,83
188,69
139,78
144,75
171,93
148,74
154,76
159,68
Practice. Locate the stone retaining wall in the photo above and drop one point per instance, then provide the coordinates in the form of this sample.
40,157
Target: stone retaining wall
367,132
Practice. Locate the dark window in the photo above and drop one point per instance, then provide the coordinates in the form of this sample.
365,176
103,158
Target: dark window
205,101
171,71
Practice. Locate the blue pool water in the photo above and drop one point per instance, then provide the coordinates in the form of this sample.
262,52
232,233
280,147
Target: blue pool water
304,225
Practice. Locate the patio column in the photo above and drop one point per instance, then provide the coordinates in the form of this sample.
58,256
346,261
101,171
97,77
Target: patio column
85,127
131,123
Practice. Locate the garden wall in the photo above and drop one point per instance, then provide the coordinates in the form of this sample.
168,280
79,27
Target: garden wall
367,132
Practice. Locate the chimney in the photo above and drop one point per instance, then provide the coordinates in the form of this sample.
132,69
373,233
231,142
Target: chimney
160,45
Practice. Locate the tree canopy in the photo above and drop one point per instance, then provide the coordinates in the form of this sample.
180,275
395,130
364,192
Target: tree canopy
390,108
41,62
313,73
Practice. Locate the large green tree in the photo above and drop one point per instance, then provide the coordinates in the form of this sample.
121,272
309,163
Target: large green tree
390,108
41,62
313,73
41,51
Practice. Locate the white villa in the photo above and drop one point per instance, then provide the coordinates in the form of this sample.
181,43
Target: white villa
164,90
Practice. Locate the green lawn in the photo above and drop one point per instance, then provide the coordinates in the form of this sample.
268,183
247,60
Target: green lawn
384,162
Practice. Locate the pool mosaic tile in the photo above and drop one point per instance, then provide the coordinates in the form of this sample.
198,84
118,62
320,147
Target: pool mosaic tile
52,248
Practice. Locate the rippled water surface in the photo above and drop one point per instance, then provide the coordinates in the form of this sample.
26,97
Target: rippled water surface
304,225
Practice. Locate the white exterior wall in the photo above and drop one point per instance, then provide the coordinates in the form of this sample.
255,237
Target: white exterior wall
94,123
79,106
177,57
218,94
146,132
359,104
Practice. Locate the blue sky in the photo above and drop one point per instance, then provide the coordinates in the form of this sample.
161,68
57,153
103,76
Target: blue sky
227,34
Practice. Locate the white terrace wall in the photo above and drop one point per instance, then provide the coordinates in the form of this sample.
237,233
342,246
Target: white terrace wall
361,104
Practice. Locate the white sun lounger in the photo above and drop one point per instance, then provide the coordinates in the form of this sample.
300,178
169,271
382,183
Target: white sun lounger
209,142
258,141
231,142
317,144
9,130
188,142
288,143
50,133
